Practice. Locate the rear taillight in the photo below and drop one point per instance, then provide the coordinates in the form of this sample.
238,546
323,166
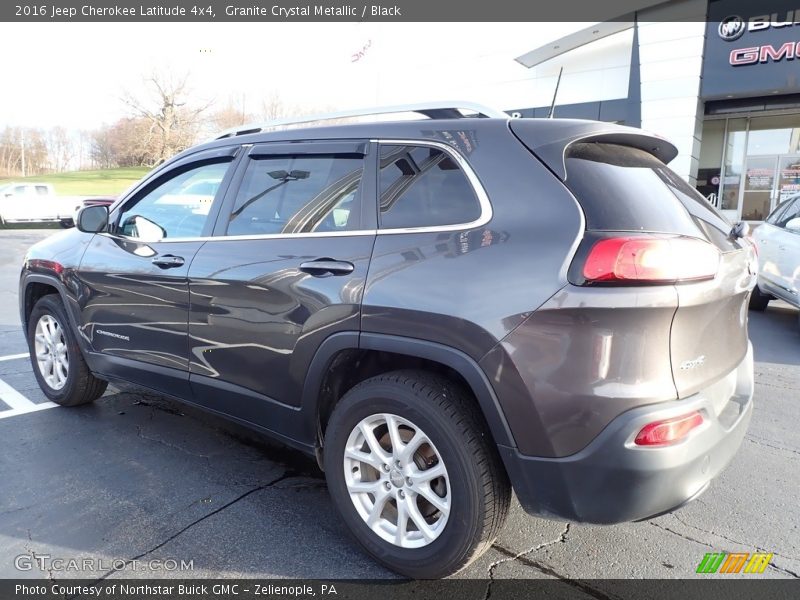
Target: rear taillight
650,259
668,431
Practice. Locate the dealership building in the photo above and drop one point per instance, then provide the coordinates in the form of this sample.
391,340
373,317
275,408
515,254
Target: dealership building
720,79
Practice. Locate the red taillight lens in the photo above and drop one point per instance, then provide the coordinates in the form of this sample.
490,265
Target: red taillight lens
651,259
668,431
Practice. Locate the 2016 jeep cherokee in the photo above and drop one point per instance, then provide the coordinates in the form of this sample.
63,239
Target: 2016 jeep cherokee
439,310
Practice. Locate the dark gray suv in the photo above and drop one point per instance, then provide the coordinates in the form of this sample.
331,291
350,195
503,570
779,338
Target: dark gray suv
440,310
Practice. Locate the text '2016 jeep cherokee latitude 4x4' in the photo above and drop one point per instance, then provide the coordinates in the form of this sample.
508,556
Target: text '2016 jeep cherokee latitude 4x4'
438,309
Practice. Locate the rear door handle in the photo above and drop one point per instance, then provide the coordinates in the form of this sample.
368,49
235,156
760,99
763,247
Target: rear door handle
323,266
168,261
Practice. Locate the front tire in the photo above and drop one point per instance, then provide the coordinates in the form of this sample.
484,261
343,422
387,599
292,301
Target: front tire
412,471
57,360
759,300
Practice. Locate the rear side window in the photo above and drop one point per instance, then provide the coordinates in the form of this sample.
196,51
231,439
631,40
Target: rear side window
298,194
626,189
421,186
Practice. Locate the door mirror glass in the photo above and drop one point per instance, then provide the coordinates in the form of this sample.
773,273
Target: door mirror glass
92,219
143,229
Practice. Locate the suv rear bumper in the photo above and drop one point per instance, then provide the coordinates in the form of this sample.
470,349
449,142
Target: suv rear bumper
612,480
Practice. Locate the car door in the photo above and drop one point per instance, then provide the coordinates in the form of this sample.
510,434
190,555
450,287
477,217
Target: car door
284,270
21,205
46,203
775,262
788,253
134,276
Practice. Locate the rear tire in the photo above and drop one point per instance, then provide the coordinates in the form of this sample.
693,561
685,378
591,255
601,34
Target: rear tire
759,300
472,493
57,360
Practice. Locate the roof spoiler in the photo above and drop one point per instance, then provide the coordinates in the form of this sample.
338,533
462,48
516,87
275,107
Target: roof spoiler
551,139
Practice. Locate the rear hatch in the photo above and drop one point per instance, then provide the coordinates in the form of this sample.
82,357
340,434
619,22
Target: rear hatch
627,193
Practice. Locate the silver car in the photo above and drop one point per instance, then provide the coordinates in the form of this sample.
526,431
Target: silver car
778,243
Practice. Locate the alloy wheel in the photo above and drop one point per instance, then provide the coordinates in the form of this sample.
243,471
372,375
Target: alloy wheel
50,347
397,480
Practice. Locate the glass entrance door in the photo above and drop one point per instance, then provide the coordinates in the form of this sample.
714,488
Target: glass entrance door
768,181
788,183
758,189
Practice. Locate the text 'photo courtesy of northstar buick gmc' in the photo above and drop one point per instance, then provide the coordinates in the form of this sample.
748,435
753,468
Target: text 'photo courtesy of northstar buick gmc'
440,310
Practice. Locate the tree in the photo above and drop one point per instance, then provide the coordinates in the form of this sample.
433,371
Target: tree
230,115
102,148
18,141
60,149
164,104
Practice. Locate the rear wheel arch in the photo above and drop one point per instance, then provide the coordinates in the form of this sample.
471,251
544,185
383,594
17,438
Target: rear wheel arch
346,359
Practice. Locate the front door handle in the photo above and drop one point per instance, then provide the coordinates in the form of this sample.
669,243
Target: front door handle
323,266
168,261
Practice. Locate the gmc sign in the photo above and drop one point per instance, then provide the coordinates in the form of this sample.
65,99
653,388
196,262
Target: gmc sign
732,27
752,49
762,54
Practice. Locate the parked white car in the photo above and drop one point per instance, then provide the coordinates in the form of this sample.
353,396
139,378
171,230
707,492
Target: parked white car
34,202
778,243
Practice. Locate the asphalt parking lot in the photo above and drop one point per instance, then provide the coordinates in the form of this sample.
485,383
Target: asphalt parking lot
136,476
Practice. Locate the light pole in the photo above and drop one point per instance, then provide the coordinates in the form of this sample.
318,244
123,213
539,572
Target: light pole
22,145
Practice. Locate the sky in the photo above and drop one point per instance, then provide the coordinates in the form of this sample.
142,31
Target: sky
74,74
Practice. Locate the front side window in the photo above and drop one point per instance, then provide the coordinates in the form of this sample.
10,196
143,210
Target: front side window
298,194
41,190
176,208
776,214
791,213
422,186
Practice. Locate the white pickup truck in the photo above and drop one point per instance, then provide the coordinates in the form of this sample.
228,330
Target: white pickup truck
35,202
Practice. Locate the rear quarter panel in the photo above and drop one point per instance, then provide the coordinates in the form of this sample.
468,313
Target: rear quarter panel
468,289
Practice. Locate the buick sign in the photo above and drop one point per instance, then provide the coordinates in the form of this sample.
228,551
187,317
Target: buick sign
732,28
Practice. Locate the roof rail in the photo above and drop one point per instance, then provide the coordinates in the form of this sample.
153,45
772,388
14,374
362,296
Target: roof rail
432,110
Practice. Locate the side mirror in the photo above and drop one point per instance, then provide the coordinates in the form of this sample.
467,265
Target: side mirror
92,219
793,224
740,230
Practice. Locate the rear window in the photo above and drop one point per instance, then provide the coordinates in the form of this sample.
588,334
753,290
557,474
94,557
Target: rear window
626,189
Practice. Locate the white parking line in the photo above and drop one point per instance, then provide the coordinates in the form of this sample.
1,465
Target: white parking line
18,403
14,356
